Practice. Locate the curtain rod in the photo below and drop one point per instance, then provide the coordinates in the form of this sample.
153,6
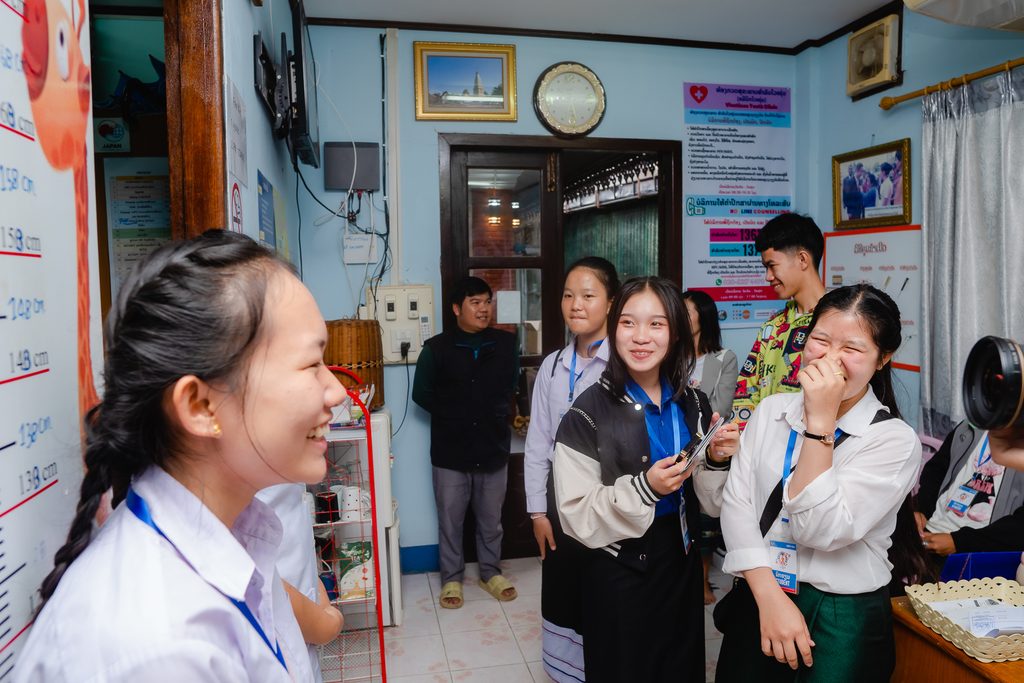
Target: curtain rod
889,102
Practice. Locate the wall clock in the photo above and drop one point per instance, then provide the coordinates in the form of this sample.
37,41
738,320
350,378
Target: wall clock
569,99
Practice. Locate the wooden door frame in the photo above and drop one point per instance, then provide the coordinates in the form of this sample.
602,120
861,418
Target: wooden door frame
670,199
194,47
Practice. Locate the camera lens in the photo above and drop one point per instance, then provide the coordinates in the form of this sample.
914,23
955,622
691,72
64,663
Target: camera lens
993,390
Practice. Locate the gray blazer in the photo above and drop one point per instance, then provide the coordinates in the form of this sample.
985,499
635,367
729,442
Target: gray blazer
718,380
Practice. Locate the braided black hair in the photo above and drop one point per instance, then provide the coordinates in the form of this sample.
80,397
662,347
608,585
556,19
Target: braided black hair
193,307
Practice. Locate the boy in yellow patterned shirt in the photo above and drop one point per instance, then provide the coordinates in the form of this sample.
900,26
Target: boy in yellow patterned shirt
791,247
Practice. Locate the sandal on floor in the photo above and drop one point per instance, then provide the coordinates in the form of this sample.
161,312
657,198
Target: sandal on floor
497,587
451,595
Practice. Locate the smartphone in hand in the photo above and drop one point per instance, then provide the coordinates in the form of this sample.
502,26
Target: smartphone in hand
691,454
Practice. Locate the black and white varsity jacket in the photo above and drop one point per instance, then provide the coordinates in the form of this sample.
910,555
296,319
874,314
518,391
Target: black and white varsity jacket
602,452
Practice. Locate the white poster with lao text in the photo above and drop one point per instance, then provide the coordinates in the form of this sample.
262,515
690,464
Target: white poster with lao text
737,174
49,298
889,259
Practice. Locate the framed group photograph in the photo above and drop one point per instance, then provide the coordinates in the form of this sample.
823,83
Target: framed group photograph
465,81
871,187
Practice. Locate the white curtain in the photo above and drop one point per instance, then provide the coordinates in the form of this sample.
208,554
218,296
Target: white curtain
973,227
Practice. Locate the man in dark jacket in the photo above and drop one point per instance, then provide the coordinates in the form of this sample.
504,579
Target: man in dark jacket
464,379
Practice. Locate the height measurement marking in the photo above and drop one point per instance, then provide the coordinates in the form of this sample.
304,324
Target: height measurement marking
4,580
16,636
4,126
18,505
16,253
5,447
13,8
25,376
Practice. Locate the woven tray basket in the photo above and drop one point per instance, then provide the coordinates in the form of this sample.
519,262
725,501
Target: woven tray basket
356,346
1000,649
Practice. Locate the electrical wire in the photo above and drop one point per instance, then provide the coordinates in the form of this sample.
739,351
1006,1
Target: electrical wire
298,208
407,388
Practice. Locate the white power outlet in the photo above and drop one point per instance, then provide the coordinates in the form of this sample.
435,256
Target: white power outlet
405,314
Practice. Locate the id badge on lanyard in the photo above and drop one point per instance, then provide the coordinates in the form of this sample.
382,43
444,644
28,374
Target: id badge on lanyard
785,562
962,498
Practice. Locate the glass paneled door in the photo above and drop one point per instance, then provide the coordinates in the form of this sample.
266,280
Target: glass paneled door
505,229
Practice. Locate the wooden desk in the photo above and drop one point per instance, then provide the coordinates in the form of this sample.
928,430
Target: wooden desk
923,655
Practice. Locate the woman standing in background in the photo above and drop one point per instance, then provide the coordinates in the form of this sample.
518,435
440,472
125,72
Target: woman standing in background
590,287
714,372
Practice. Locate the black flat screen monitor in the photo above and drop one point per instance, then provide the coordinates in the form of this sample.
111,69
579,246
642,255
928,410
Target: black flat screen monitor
304,130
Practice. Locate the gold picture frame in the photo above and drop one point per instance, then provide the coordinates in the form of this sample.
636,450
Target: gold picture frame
465,81
871,186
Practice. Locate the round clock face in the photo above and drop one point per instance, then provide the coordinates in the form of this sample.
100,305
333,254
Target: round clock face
569,99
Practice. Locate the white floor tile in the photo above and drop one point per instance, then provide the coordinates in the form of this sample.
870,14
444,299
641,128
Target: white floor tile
523,611
514,673
419,618
415,656
529,639
539,675
414,587
525,575
481,649
472,616
712,646
425,678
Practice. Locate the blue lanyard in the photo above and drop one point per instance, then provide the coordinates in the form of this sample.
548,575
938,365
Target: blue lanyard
984,449
573,377
140,509
788,462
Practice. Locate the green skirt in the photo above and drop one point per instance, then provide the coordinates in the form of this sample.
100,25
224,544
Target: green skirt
852,634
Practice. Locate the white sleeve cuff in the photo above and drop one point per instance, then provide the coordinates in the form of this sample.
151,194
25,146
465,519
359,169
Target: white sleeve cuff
737,561
817,492
536,504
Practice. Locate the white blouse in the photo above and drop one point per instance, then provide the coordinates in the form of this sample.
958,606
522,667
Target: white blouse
130,608
549,402
842,521
296,556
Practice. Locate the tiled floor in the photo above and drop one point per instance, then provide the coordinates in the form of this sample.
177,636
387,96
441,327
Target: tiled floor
485,640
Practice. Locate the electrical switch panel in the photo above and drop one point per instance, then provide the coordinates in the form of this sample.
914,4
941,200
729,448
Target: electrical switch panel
406,317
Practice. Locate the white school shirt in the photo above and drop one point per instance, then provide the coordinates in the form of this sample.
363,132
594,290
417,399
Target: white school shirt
296,556
842,521
550,401
131,609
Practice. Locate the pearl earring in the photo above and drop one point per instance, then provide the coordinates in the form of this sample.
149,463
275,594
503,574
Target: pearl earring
216,430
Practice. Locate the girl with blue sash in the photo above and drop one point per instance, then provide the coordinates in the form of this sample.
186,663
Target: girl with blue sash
214,388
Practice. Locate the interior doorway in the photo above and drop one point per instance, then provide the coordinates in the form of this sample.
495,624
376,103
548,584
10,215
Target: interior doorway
516,210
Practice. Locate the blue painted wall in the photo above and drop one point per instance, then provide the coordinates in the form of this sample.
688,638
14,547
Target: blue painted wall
645,100
241,20
933,51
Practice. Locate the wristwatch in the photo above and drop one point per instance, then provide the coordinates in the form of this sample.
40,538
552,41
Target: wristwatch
827,439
